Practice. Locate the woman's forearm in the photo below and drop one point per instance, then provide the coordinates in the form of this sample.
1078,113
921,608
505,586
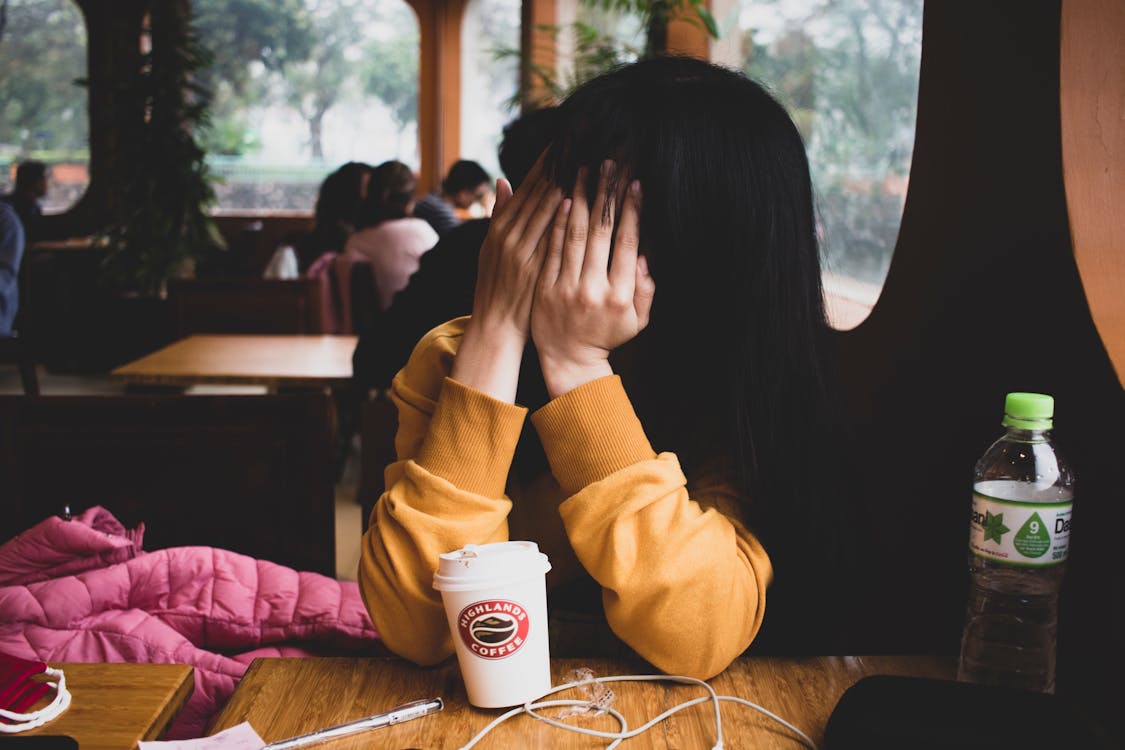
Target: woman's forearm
489,359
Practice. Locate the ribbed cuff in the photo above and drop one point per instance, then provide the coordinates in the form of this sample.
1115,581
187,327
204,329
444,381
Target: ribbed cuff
590,432
472,439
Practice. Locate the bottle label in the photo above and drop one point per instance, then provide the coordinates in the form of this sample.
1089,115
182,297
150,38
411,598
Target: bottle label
1016,533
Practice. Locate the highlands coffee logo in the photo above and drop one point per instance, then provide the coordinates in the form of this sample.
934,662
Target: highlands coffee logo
493,629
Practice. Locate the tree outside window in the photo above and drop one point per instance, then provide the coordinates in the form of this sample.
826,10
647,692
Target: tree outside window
302,86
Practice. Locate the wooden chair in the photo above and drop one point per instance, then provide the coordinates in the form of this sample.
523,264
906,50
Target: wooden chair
363,298
247,306
253,475
14,350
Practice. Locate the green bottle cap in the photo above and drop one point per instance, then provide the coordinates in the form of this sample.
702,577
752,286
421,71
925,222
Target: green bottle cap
1029,411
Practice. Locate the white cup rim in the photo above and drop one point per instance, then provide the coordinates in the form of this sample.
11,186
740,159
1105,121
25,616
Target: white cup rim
481,567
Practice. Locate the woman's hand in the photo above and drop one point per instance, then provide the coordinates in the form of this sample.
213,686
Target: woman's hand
510,261
585,304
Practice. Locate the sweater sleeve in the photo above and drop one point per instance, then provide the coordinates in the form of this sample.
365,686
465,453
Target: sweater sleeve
683,581
454,447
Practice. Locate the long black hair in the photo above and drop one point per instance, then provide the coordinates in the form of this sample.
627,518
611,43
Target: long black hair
389,194
731,372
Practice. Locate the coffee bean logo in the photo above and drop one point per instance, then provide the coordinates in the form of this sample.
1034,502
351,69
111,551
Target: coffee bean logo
494,628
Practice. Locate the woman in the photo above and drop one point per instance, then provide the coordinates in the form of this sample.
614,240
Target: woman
390,238
337,210
662,262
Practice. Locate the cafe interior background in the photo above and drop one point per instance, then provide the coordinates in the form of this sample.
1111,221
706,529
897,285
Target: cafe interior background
969,162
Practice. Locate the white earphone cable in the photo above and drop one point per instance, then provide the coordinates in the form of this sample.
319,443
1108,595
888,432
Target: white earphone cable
532,706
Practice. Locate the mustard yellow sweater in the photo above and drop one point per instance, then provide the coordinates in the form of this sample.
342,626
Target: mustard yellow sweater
683,581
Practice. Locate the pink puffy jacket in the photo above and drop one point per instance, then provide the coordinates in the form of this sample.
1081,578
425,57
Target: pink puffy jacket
83,590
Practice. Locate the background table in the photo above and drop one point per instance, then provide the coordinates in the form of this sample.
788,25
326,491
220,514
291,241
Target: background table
276,361
114,706
286,697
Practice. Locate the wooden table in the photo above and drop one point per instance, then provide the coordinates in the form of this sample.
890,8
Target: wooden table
286,697
114,706
275,361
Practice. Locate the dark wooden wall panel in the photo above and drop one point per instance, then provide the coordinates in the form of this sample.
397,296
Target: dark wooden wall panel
245,473
983,297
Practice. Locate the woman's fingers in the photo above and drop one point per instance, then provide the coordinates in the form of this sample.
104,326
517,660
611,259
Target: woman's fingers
528,220
552,264
574,249
517,198
623,267
601,225
503,195
539,219
643,292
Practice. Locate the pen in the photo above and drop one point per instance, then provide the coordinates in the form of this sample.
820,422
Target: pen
405,712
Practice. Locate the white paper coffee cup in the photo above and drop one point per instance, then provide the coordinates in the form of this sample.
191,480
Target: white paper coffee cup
495,599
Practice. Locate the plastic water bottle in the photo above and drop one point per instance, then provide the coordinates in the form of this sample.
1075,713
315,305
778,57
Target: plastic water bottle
1019,531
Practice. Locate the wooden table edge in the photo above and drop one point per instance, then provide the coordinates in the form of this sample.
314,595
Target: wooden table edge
221,717
272,381
159,721
174,705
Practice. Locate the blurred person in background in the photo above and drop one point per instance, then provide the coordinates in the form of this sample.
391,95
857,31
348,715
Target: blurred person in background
30,188
442,287
390,238
338,204
12,243
466,184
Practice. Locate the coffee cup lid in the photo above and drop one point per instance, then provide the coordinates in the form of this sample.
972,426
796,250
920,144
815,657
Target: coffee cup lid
477,566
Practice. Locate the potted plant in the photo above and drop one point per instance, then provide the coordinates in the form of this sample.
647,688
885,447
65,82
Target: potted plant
596,51
162,227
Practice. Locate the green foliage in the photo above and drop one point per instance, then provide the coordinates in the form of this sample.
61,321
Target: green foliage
42,52
314,85
390,72
163,223
599,46
595,52
274,33
308,54
250,41
232,134
853,94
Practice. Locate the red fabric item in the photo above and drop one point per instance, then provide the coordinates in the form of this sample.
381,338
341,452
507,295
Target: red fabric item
18,692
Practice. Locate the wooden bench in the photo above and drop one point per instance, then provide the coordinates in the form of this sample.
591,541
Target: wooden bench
247,305
249,474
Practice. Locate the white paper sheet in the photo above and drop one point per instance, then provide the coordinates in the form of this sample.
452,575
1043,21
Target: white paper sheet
241,737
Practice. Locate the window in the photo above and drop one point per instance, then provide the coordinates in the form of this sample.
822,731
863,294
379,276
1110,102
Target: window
848,73
490,40
594,37
43,111
302,86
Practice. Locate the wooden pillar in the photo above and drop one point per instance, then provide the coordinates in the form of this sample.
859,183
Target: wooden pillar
439,88
687,36
113,58
1092,96
537,49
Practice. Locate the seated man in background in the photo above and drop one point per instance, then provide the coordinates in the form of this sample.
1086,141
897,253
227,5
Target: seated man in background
30,187
466,183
